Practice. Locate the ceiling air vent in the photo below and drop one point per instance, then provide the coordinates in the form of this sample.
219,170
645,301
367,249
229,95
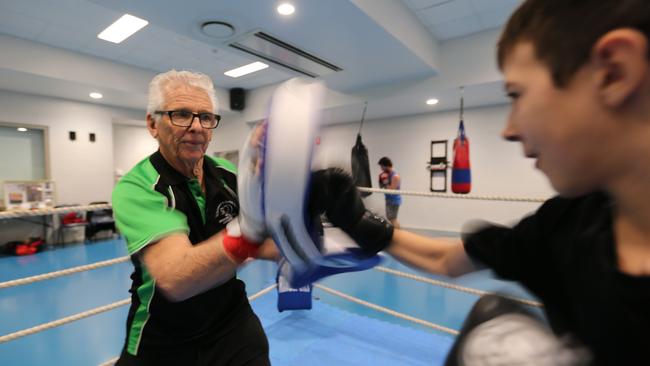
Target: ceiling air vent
271,49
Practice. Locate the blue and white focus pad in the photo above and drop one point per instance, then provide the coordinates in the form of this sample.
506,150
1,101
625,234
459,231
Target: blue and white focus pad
351,260
249,186
291,131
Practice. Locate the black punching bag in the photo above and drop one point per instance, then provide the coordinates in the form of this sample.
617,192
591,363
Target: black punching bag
361,166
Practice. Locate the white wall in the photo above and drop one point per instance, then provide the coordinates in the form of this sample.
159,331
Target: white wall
498,167
230,135
82,170
27,152
131,143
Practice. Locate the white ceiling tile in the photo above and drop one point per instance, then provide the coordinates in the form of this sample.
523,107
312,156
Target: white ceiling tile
169,63
494,18
104,49
202,66
204,53
423,19
64,37
158,43
44,9
159,65
446,12
421,4
355,41
19,25
149,57
487,5
141,59
77,13
457,28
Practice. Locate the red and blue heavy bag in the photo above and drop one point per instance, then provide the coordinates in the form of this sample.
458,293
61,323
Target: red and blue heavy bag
461,175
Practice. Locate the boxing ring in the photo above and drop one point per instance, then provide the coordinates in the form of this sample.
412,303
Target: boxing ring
67,307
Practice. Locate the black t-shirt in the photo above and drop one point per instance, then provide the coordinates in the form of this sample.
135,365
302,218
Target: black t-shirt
565,254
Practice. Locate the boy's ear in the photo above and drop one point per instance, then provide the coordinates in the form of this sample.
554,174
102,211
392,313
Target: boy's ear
621,60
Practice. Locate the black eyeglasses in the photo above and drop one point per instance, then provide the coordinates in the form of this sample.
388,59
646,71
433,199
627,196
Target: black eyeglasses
184,118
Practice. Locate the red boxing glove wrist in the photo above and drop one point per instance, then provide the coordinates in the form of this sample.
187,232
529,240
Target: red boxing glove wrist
239,248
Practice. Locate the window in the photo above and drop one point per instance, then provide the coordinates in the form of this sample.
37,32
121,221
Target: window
22,153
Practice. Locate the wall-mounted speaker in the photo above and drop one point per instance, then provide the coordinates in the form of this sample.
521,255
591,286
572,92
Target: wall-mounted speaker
237,99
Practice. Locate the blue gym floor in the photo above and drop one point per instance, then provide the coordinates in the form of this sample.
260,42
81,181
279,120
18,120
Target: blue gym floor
335,332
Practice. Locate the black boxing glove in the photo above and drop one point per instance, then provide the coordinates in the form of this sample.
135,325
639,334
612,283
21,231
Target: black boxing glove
333,193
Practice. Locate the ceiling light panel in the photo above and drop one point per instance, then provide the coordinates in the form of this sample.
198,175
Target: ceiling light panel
246,69
122,29
286,9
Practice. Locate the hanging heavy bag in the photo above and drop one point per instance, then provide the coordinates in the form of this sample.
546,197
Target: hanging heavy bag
361,166
461,175
360,162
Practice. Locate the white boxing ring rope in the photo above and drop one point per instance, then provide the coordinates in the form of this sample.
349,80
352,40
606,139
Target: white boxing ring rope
451,286
91,312
95,311
101,309
64,272
454,196
49,211
387,310
62,321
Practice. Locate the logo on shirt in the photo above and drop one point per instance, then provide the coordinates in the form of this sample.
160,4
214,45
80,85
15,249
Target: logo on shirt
226,211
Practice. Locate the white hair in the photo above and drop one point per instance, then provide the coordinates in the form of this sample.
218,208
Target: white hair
159,83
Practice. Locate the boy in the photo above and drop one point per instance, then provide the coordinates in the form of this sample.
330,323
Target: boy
578,74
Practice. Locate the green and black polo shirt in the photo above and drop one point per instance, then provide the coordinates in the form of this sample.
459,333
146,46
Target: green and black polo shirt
152,201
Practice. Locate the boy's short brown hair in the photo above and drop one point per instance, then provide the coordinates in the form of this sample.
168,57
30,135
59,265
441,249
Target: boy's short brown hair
563,32
385,161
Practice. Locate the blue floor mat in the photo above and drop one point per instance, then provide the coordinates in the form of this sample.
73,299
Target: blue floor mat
336,332
327,336
323,336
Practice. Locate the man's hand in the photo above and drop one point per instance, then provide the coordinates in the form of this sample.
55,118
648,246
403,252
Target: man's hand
249,185
269,251
333,192
246,233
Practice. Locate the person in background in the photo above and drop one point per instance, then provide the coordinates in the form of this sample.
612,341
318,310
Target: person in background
389,179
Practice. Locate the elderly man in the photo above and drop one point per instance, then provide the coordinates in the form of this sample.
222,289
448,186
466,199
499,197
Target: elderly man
187,308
